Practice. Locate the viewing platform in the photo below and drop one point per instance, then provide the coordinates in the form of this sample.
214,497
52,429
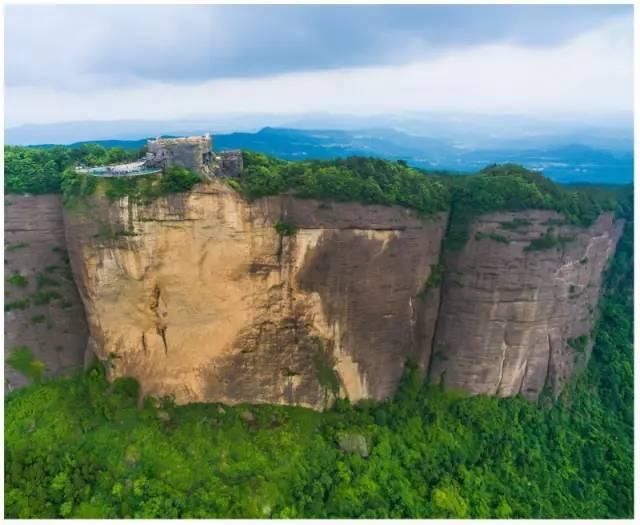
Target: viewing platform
193,153
118,170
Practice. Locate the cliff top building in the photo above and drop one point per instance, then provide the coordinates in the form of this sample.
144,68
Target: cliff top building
194,153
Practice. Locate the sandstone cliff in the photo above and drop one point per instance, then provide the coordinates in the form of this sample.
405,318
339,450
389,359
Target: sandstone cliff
42,308
200,296
515,318
207,297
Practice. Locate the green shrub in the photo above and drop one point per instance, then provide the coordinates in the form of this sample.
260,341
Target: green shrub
548,241
554,222
492,236
516,224
17,279
176,180
21,304
435,277
45,297
38,319
22,360
285,229
579,344
43,280
111,232
16,246
325,371
234,184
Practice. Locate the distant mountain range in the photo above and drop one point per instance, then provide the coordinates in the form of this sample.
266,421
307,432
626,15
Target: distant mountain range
558,157
563,163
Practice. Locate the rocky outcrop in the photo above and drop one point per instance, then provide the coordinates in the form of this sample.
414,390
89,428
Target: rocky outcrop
206,297
42,308
519,303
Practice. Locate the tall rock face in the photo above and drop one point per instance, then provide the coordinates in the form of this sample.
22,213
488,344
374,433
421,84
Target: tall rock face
42,308
206,297
519,303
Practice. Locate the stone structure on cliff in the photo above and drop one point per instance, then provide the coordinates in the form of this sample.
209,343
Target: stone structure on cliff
229,163
194,153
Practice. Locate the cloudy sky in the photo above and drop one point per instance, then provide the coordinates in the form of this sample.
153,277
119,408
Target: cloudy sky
73,63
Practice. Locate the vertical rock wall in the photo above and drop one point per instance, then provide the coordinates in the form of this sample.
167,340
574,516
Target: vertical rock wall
43,311
200,297
514,319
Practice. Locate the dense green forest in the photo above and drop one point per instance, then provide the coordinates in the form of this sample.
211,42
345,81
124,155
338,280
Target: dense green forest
377,181
39,170
363,179
80,447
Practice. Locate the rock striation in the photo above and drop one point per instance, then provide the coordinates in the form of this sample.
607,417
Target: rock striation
42,308
515,318
205,297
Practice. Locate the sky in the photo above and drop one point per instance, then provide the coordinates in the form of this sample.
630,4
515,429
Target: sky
100,62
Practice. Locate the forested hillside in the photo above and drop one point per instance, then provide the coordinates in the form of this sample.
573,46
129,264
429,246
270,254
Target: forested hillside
364,179
80,447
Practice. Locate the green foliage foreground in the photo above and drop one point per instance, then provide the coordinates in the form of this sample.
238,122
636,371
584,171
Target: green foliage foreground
39,169
79,447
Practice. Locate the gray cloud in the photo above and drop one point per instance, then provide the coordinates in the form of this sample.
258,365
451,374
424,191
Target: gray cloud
75,47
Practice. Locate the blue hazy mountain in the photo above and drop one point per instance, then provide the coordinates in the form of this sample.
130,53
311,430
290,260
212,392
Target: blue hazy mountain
563,163
559,156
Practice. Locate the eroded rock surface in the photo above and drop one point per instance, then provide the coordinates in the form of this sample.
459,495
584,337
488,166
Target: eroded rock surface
198,296
514,320
43,310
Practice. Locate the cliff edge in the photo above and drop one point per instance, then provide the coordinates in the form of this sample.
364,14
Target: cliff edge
206,297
